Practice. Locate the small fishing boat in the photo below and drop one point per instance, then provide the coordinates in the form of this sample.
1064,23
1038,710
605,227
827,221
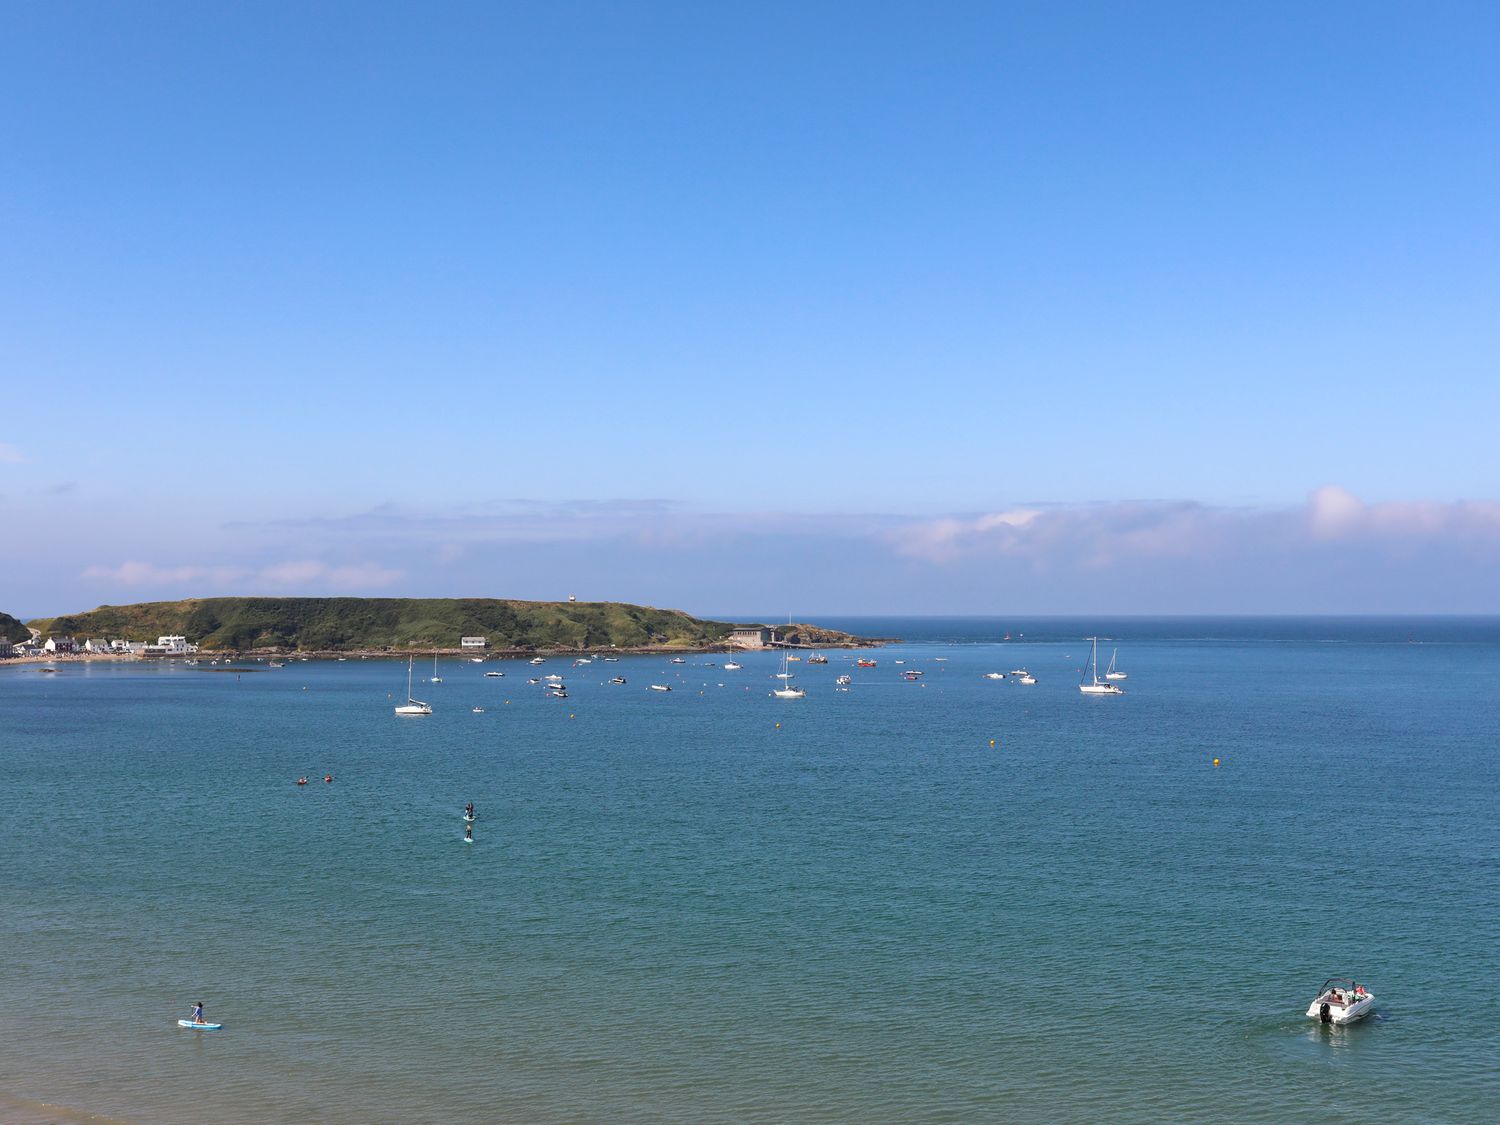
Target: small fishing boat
817,658
494,673
678,660
1026,678
618,680
864,662
1341,1001
912,674
537,660
661,687
479,710
844,681
994,675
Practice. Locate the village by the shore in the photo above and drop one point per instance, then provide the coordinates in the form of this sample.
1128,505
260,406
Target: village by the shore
175,647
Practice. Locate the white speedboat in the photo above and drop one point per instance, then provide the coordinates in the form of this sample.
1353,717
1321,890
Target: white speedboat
994,675
494,673
537,660
479,710
618,680
412,706
1092,684
476,660
1026,678
844,681
554,678
1341,1001
661,687
678,660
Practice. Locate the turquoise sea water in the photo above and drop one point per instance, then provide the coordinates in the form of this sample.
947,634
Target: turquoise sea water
675,911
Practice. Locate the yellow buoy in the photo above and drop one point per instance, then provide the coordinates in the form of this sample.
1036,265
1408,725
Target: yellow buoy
1216,761
778,726
992,742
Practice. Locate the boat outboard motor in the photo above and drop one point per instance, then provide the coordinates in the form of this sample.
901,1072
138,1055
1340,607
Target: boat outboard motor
1324,1014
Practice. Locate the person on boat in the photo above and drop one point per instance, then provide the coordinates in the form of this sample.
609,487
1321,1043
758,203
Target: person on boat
198,1012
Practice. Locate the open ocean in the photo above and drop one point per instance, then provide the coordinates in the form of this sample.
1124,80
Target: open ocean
677,911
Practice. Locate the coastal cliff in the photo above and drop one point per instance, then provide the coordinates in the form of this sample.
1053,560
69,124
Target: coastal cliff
381,624
11,629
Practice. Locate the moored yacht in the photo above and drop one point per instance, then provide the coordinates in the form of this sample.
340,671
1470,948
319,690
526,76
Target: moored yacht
412,706
1092,684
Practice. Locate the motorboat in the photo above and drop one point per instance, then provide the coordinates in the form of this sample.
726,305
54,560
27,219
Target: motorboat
912,674
994,675
412,706
1341,1001
1026,678
1092,684
479,710
533,680
678,660
844,681
537,660
1019,672
476,660
817,658
553,678
864,663
661,687
618,680
494,673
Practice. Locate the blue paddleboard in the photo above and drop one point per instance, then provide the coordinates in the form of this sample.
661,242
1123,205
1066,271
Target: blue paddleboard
199,1026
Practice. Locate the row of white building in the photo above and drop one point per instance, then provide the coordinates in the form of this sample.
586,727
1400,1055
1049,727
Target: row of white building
67,646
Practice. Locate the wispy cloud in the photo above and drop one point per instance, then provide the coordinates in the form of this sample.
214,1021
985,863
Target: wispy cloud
293,575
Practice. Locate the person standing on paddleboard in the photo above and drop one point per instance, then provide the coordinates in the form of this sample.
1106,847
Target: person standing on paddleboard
468,832
469,810
198,1012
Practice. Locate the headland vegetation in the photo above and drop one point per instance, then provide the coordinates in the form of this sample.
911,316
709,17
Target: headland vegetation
396,625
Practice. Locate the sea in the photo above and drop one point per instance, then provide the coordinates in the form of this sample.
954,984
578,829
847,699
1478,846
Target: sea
947,899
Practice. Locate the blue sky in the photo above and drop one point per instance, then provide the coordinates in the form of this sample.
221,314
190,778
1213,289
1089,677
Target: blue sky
816,308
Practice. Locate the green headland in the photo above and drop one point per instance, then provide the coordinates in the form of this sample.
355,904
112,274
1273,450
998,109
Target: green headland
384,624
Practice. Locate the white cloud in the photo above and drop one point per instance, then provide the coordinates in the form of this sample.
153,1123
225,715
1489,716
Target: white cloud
301,574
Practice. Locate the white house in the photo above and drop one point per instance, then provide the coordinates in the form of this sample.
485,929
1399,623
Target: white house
97,646
171,646
472,642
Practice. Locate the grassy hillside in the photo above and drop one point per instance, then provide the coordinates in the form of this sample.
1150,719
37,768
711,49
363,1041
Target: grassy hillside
12,630
377,623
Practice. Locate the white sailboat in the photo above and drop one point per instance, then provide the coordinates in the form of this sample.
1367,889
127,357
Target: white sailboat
412,706
1092,684
786,690
436,679
1110,673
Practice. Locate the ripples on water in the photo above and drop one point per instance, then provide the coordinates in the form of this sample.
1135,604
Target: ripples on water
677,912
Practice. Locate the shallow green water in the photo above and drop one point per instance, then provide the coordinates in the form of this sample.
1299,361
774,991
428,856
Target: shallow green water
676,911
